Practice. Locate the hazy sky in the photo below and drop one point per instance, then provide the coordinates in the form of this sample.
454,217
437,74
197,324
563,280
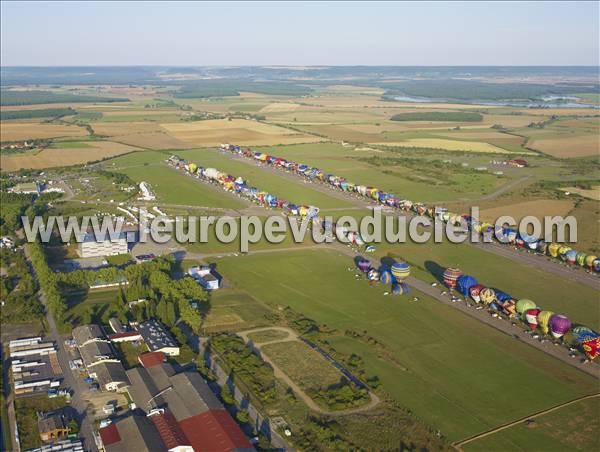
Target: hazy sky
335,33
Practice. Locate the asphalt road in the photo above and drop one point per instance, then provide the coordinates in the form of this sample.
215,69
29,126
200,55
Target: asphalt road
76,386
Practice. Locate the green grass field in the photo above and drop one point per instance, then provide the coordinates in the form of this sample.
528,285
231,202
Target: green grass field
267,336
297,193
574,427
451,367
79,303
172,187
233,310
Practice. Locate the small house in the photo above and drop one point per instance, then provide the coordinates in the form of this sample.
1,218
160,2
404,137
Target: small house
52,426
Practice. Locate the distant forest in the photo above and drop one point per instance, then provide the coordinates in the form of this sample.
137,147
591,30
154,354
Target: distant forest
450,116
474,90
41,113
13,98
219,88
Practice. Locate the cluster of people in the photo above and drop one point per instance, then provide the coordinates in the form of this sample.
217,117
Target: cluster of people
377,196
242,188
548,322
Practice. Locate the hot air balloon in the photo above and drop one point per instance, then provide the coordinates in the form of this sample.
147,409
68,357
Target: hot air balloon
582,333
364,265
400,289
450,276
386,277
531,317
596,265
591,347
562,252
464,284
559,325
373,275
400,271
474,292
553,249
192,167
523,305
509,308
487,295
544,320
502,296
580,258
589,261
571,256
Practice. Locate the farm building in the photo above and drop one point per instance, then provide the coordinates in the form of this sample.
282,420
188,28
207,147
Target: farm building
204,276
90,246
34,366
134,433
518,163
52,426
30,188
99,358
157,338
184,410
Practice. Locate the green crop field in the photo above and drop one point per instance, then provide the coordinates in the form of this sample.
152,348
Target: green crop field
573,427
454,373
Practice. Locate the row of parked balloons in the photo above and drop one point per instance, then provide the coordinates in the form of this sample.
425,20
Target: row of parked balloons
241,187
395,274
508,235
526,310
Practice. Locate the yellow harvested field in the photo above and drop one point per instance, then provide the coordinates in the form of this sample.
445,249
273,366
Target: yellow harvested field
538,209
448,145
242,131
578,146
152,140
26,130
278,107
592,193
141,112
48,158
125,128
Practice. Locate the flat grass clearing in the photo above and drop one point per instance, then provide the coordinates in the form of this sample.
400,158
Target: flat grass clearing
577,146
234,310
173,187
538,208
51,157
588,239
69,145
279,107
261,337
447,145
293,191
574,427
137,159
305,366
78,303
242,131
28,130
401,180
457,367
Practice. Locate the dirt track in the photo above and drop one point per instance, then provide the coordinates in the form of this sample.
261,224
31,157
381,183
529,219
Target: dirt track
292,336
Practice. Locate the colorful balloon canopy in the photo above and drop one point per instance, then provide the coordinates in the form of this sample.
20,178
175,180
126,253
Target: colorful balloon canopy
373,275
474,292
400,289
400,270
364,265
509,307
450,276
523,305
531,317
591,347
487,295
559,325
386,277
544,320
464,284
582,333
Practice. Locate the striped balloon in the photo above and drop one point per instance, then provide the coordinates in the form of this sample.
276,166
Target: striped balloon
386,277
450,276
400,270
400,289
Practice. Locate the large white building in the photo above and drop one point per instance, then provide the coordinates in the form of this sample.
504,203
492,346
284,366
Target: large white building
203,275
89,246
